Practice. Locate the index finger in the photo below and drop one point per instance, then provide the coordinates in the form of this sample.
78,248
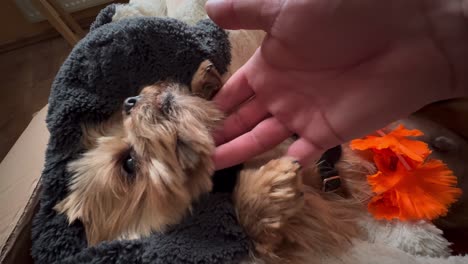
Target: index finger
266,135
236,91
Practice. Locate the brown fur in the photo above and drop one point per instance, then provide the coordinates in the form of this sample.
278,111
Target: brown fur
168,135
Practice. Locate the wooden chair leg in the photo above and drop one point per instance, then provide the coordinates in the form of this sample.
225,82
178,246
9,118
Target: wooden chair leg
54,18
67,17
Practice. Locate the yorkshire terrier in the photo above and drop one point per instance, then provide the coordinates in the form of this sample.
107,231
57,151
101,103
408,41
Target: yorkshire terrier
144,167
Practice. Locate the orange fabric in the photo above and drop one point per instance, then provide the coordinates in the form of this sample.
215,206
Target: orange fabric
409,189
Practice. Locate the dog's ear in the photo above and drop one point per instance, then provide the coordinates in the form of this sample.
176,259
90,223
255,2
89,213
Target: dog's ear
92,132
206,81
71,207
73,204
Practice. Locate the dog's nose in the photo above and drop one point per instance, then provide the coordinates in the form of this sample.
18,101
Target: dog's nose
129,103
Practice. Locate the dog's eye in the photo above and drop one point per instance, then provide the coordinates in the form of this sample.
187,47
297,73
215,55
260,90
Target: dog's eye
129,165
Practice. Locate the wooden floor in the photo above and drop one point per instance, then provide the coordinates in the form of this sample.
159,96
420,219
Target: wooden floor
26,75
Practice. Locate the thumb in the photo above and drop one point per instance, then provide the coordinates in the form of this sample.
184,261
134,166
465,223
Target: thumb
244,14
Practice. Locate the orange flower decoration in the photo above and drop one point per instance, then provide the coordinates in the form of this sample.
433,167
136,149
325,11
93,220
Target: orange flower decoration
396,141
407,186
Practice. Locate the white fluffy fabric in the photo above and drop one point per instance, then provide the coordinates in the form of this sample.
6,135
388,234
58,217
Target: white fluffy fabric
396,243
417,238
189,12
139,8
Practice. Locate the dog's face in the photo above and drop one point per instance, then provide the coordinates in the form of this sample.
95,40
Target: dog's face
146,166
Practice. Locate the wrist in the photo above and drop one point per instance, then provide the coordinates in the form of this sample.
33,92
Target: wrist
449,25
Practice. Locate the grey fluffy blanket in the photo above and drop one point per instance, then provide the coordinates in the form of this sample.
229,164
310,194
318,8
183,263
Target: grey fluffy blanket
111,63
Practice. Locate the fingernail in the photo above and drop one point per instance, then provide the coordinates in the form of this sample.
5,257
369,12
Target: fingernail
214,3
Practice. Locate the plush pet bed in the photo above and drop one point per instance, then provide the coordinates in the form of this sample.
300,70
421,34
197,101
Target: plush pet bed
111,63
129,47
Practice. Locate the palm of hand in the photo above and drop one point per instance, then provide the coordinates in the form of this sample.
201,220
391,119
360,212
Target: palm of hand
332,85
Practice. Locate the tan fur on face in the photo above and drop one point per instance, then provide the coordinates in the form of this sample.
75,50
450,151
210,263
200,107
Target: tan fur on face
172,149
112,206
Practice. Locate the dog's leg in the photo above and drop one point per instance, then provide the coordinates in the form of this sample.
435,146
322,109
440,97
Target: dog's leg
287,220
265,199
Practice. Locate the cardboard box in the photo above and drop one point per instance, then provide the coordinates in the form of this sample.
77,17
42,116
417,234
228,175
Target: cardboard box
20,173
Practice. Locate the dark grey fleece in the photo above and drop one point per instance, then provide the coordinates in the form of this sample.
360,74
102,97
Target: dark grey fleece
111,63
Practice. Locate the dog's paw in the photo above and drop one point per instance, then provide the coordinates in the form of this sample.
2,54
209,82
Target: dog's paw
282,176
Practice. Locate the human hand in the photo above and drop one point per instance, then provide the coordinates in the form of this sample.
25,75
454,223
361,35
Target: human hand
331,70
